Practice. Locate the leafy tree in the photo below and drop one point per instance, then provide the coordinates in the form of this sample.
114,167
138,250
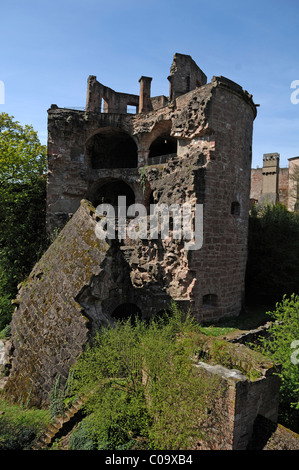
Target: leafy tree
22,207
23,158
282,346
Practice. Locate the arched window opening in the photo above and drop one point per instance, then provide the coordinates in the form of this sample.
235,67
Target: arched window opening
210,300
108,194
112,148
163,145
125,311
235,208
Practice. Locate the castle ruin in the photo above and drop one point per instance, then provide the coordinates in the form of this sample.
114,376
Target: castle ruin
194,147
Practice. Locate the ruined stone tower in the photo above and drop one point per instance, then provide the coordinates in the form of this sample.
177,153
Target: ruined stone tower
193,147
270,177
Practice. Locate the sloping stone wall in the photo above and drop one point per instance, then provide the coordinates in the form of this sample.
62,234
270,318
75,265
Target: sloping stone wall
72,291
48,326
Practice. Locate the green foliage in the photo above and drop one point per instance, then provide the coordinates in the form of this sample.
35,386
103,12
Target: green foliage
178,397
23,158
279,346
6,307
80,439
19,426
60,397
22,207
143,386
6,332
273,254
219,353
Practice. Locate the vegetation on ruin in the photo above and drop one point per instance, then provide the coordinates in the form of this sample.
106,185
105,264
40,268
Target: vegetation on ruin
144,390
22,207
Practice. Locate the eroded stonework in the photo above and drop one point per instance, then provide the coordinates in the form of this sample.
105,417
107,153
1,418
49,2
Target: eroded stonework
191,147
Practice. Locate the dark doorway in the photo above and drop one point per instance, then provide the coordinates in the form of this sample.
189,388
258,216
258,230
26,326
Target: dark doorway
163,145
112,148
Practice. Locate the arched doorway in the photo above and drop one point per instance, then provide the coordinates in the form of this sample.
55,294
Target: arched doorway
112,148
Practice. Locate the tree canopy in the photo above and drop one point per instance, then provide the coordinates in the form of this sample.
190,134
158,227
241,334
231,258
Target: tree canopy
22,207
22,157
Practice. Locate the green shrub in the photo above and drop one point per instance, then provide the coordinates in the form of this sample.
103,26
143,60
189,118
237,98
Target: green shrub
178,397
143,386
80,439
60,398
19,425
279,346
6,332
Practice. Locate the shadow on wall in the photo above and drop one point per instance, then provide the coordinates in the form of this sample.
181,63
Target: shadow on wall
112,148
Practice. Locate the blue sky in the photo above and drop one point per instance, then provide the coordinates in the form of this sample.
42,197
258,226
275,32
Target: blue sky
48,50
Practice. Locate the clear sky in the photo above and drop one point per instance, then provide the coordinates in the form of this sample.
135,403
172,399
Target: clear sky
48,50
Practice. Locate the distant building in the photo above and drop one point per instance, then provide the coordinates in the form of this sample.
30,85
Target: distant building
274,184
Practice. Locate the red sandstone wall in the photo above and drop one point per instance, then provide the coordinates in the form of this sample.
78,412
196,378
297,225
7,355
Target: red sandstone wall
256,183
220,264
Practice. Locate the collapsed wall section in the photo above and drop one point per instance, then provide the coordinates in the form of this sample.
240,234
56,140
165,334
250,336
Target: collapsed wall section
80,284
48,327
249,387
230,426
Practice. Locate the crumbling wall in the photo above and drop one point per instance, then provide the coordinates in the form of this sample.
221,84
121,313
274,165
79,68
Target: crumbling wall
72,291
185,75
207,133
212,126
49,327
231,423
249,389
101,98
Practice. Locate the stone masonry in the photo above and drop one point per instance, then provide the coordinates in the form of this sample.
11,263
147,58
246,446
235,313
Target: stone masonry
191,147
271,184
